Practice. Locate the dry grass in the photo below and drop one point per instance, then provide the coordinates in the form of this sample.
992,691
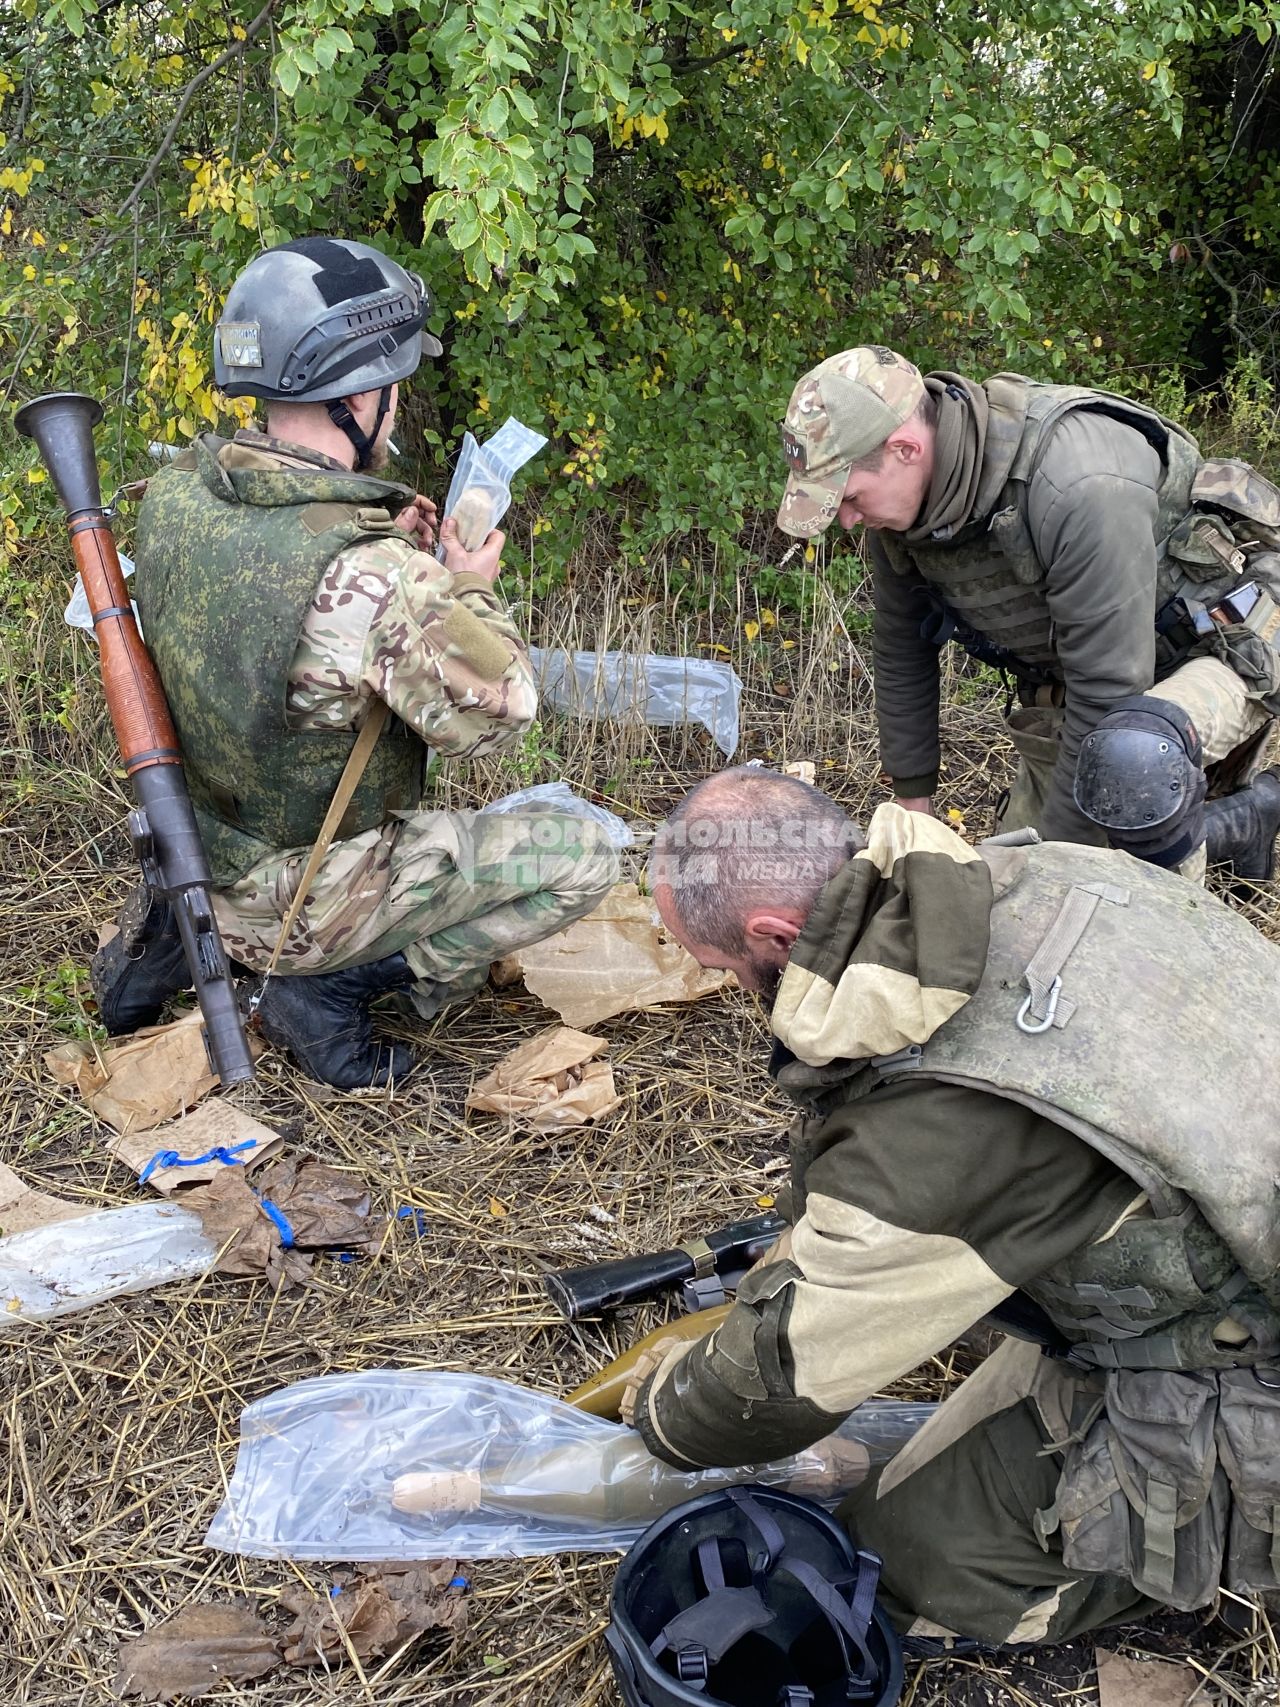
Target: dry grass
120,1425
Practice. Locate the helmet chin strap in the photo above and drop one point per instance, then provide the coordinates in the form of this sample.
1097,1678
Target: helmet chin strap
363,442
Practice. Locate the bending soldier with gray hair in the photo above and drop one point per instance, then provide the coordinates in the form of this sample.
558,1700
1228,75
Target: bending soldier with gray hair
318,644
1126,587
979,1041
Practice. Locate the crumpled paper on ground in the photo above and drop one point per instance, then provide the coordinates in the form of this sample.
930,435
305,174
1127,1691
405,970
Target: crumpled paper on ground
551,1082
380,1608
22,1207
137,1084
615,960
324,1208
216,1125
194,1651
1123,1682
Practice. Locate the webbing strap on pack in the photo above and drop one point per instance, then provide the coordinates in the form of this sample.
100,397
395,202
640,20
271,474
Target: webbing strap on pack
1159,1521
1044,970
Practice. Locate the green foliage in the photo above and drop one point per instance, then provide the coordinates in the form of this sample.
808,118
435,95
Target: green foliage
641,222
59,995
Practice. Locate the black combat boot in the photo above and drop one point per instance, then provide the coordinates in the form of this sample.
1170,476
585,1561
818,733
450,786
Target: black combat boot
1240,830
323,1021
134,975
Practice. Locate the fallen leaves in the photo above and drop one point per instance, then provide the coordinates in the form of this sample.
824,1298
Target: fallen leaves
194,1651
373,1612
369,1612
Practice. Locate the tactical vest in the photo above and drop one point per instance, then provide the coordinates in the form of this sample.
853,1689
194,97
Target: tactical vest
988,575
1097,964
228,561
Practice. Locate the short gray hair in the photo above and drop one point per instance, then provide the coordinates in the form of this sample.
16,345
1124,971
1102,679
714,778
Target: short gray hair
748,838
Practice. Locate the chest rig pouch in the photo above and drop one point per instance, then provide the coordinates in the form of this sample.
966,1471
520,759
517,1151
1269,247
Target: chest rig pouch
1172,1480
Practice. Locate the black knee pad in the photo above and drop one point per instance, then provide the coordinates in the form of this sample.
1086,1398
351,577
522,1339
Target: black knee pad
1139,777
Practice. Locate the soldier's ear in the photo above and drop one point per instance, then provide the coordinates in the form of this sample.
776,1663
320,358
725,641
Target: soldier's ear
907,444
773,928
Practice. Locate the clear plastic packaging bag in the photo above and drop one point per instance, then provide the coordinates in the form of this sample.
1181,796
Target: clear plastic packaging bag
662,692
78,614
559,797
480,491
72,1265
326,1466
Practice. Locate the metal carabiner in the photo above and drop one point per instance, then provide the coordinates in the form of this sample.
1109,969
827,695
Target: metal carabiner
1051,1008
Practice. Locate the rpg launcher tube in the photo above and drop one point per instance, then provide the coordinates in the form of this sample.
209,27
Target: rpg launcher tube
578,1292
163,826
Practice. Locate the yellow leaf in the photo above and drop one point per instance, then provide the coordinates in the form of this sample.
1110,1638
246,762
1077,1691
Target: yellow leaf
35,476
1149,70
768,619
751,630
497,1209
954,815
37,240
788,645
810,553
765,1202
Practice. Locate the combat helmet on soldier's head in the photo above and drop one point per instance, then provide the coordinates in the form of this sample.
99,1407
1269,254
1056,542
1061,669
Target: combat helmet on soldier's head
320,318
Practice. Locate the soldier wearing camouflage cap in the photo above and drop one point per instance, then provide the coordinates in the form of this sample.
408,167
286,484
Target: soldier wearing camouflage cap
292,597
1128,589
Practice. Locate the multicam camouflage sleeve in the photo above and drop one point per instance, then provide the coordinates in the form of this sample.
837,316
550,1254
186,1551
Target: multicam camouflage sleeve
440,649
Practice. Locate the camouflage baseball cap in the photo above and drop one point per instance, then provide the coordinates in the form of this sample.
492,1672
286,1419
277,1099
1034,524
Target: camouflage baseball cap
839,411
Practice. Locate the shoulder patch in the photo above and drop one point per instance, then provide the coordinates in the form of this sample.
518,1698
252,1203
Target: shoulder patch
319,518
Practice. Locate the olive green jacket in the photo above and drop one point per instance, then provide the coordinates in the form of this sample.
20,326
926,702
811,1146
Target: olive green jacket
1092,511
947,1157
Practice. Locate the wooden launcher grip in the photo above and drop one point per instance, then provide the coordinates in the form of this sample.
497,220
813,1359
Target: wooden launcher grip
139,711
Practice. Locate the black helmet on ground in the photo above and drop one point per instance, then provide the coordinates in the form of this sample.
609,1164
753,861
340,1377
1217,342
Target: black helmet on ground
751,1597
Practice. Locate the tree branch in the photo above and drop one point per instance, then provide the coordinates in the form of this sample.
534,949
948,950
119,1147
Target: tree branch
232,50
683,67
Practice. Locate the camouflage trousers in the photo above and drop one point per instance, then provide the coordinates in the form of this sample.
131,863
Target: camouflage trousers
451,891
957,1515
1231,724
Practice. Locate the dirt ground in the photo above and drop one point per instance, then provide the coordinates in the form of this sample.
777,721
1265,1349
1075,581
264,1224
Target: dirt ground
120,1425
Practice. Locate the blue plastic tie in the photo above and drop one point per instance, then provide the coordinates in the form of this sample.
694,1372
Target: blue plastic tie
421,1225
336,1590
281,1221
460,1582
171,1158
344,1256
